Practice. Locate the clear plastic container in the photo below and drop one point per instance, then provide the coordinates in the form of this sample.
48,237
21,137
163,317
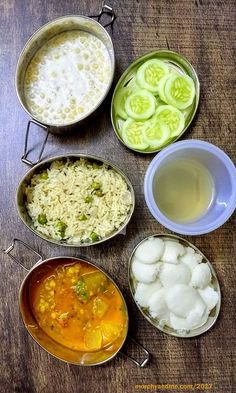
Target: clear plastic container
223,173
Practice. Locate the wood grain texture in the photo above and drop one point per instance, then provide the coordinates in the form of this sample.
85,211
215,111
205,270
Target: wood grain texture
203,31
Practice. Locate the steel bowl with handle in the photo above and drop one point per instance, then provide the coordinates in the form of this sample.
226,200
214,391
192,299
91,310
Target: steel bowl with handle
61,352
21,198
42,36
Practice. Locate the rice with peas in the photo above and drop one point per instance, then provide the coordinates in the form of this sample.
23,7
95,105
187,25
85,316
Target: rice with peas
78,201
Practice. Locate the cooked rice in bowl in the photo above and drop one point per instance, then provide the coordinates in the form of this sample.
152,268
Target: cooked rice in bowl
78,201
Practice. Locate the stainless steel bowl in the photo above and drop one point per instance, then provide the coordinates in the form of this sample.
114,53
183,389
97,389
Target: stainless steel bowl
166,329
54,348
176,62
37,40
21,206
44,34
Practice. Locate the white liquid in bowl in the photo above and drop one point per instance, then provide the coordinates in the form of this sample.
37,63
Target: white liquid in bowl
67,77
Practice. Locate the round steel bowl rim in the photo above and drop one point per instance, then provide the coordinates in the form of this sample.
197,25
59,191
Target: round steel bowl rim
125,73
82,259
200,330
30,42
86,156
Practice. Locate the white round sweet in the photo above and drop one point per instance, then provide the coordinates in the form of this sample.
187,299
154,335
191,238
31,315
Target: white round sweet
174,274
144,291
201,276
172,251
150,251
181,299
209,296
144,272
191,258
157,304
195,319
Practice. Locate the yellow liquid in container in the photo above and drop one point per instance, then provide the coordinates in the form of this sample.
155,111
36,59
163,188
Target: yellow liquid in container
183,190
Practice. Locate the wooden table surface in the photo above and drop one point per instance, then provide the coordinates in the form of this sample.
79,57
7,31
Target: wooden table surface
204,32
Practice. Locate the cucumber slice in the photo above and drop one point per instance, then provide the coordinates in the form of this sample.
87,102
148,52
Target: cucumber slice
150,73
121,96
156,134
119,101
161,89
179,91
172,118
132,134
140,105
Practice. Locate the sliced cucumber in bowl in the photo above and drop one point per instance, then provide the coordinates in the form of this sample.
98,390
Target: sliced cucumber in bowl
162,84
150,73
132,134
148,100
156,134
179,91
140,105
119,102
171,118
146,134
121,97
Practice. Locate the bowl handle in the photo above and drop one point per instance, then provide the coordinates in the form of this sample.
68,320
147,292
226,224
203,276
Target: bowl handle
108,10
26,151
141,347
11,247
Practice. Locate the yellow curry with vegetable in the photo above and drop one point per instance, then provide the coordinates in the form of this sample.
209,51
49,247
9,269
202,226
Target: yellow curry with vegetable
79,307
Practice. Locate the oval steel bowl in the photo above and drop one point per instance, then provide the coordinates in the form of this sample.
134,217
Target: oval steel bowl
54,348
177,62
166,329
21,206
42,36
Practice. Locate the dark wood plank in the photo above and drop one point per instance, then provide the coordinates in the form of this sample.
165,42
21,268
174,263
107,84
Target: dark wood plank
203,31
